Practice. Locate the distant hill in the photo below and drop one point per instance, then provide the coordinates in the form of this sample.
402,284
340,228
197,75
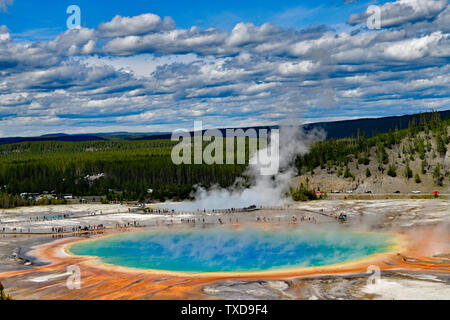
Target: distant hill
335,130
165,136
52,135
72,138
370,126
131,135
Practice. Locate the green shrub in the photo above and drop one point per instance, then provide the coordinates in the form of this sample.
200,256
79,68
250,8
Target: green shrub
417,178
348,174
408,171
3,295
302,193
438,176
391,171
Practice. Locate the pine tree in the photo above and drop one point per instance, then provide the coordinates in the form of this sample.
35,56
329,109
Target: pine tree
391,171
408,171
437,175
348,174
417,178
441,145
423,166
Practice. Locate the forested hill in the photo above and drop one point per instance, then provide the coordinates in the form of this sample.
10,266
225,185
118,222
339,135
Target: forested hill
416,158
341,129
57,137
83,137
335,130
370,127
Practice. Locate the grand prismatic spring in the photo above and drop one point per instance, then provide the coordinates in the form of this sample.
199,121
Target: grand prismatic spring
169,257
224,250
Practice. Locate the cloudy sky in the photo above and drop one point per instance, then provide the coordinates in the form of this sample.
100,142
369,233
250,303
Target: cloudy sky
146,66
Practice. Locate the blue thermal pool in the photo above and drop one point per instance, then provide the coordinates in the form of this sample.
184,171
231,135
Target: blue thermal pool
224,250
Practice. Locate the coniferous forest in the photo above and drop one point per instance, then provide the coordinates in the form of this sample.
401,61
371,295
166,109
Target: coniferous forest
127,168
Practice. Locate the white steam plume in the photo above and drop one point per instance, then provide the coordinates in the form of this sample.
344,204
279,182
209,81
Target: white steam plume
263,190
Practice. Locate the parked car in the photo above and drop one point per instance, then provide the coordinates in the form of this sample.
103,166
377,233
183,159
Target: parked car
416,192
397,191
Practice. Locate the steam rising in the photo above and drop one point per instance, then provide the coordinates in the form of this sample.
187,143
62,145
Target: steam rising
263,190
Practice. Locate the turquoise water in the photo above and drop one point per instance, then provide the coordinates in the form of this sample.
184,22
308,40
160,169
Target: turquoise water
224,250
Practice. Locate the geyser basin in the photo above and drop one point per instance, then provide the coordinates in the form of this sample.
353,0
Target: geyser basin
224,250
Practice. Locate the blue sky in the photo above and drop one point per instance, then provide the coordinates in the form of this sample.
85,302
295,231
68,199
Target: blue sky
159,65
29,15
